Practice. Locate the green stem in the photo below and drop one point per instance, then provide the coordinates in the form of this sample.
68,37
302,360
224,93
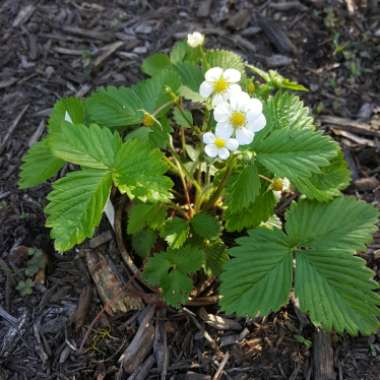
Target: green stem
183,167
215,196
179,210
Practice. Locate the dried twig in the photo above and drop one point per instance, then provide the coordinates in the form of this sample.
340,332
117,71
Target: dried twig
323,356
140,345
12,128
349,125
219,372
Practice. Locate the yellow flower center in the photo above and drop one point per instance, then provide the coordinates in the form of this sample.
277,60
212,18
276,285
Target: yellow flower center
220,85
277,184
237,119
219,143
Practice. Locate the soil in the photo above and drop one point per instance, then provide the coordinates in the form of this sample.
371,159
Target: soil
50,49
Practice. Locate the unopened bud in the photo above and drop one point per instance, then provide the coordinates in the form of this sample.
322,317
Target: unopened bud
251,88
148,120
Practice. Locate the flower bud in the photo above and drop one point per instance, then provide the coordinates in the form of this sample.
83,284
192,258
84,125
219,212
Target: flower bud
148,120
195,39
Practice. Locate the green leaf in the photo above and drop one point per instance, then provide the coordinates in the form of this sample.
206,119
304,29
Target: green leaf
259,277
143,242
179,51
286,110
38,165
191,75
206,226
216,256
332,285
295,153
184,120
141,215
124,106
175,232
190,94
225,59
156,136
243,187
92,147
345,223
337,291
326,185
75,109
76,206
259,211
139,172
155,63
170,270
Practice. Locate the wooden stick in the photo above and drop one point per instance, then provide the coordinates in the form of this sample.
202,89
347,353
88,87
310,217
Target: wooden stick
12,128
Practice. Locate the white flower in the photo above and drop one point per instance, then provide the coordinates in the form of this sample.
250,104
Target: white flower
279,186
219,145
195,39
220,84
240,116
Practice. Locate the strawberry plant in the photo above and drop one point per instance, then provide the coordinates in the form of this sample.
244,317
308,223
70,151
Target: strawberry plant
202,151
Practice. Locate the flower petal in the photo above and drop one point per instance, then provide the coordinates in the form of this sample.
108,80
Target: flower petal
259,123
223,153
218,98
255,106
222,112
224,130
211,150
205,89
244,136
213,74
232,144
232,75
208,138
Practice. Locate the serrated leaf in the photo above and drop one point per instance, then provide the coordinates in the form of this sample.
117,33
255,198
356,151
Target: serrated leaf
125,106
155,63
345,223
259,211
285,110
184,119
337,291
156,136
259,277
191,75
179,52
225,59
295,153
175,232
206,225
139,172
38,165
190,94
143,242
326,185
332,285
92,147
141,215
76,206
216,256
170,270
75,109
243,187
